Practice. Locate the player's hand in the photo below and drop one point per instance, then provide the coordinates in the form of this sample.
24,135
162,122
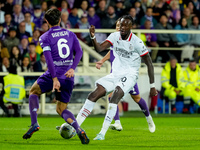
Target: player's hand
56,85
92,30
69,73
153,92
99,64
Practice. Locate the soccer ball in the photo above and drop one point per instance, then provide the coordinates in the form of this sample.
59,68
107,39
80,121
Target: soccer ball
67,131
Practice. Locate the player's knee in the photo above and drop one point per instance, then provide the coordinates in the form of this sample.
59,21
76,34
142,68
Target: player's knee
35,90
98,93
136,98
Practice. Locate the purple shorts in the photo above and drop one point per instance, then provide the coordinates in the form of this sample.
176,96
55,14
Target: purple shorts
66,86
135,91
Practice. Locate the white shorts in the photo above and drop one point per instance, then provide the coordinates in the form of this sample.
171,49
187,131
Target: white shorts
110,82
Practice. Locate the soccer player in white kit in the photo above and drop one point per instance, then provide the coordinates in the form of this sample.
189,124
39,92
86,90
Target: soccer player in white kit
128,50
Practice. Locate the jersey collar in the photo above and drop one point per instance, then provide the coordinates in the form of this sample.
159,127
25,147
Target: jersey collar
128,39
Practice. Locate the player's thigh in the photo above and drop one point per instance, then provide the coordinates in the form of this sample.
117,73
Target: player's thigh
66,90
126,83
136,98
107,82
45,83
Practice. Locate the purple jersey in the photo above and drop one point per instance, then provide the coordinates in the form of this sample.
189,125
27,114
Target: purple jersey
59,46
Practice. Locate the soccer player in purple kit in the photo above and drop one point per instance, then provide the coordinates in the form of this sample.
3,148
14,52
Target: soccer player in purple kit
59,46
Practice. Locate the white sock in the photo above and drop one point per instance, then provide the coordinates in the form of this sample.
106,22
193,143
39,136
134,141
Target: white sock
149,118
85,111
117,122
112,108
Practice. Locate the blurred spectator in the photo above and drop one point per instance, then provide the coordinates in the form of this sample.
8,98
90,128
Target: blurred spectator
176,13
164,39
40,65
188,16
101,9
4,51
2,34
183,40
4,66
139,10
83,8
8,7
29,25
2,13
120,8
65,23
145,4
27,7
109,20
64,6
197,4
93,19
159,7
33,55
16,58
9,23
192,8
194,38
13,90
172,80
22,30
52,7
149,17
53,3
23,46
83,24
44,6
71,3
35,39
18,15
151,39
132,13
18,2
44,28
171,19
192,89
26,65
11,40
73,17
38,16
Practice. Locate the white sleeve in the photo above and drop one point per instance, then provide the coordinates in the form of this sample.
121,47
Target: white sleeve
110,38
140,47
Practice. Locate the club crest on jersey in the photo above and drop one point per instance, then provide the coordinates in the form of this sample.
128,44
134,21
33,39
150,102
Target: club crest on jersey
131,47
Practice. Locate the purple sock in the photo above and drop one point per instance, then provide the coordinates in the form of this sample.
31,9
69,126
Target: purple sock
144,107
116,117
33,107
67,114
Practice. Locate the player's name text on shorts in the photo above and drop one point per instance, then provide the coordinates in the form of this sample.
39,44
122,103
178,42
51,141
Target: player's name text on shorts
62,33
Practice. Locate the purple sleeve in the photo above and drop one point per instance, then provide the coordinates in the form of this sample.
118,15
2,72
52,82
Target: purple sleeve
78,53
50,65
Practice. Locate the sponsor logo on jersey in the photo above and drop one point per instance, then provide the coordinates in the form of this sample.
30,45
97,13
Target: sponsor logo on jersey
123,53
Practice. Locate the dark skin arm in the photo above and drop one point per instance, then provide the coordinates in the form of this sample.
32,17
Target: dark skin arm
150,68
98,47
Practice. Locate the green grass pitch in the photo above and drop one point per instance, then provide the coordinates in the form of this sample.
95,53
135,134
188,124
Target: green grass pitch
172,132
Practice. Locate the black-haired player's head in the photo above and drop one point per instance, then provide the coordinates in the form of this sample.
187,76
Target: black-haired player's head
126,26
53,17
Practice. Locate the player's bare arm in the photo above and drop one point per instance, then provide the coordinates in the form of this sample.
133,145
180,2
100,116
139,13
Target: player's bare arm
150,68
98,47
70,73
100,63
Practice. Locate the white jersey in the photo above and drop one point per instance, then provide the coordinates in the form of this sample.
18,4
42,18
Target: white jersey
127,53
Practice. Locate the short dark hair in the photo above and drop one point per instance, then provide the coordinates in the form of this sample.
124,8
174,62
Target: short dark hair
41,54
53,16
32,43
128,17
